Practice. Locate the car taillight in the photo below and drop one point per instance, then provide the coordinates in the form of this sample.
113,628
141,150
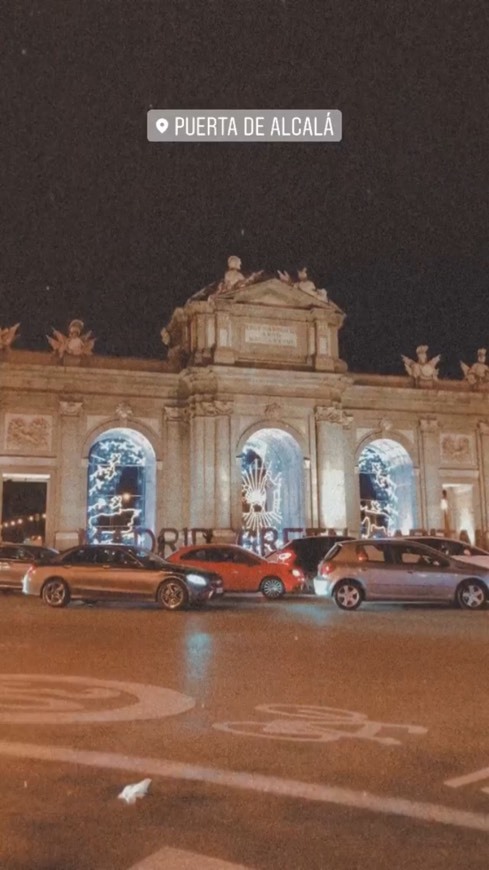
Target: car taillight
326,568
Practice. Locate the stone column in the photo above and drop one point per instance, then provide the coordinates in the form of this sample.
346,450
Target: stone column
352,480
71,496
431,484
483,464
208,472
331,466
223,461
173,499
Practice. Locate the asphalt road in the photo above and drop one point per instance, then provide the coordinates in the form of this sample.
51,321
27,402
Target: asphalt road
276,735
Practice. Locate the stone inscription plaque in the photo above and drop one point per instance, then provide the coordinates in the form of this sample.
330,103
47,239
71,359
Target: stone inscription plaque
267,333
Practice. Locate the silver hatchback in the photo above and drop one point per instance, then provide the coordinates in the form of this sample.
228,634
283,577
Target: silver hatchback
392,569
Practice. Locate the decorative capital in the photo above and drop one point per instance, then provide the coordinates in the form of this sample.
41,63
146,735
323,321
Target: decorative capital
429,424
70,407
175,415
333,414
124,412
210,408
483,427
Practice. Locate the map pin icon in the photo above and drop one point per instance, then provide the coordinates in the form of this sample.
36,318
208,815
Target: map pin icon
162,125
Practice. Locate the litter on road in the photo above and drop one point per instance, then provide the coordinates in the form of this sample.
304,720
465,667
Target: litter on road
131,793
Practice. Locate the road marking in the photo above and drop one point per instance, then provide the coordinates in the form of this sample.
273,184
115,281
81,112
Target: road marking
305,723
53,699
177,859
469,778
271,785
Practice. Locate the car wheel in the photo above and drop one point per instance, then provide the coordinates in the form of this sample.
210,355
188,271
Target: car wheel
56,593
172,595
272,587
348,595
471,595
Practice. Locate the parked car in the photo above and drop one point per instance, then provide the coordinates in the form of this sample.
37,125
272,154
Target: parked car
110,571
393,569
242,570
456,549
15,560
306,553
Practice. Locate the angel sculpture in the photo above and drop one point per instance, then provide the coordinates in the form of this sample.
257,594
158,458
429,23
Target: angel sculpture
75,343
8,335
424,372
304,283
477,374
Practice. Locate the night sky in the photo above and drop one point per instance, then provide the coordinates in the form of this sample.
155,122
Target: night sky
98,223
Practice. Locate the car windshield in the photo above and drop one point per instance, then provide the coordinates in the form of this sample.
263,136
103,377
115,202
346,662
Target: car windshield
148,558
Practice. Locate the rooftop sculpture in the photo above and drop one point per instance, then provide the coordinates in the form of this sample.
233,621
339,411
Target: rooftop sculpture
8,335
477,375
303,283
423,371
75,343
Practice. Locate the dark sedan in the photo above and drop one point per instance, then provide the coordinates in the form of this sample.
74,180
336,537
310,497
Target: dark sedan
96,572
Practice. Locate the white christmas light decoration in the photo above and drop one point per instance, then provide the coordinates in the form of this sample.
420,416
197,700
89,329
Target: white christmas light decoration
256,485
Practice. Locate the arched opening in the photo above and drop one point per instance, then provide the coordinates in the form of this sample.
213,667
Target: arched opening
272,484
121,486
387,489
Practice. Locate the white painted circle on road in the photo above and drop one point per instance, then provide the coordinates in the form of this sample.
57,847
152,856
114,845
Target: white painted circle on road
45,699
178,859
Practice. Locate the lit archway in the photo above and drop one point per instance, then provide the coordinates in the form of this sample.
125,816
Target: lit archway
272,483
387,488
121,486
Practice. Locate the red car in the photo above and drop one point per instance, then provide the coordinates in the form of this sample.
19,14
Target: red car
241,570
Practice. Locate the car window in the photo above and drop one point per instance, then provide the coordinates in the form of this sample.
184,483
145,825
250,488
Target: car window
412,555
198,556
242,558
8,553
116,557
151,560
370,552
82,556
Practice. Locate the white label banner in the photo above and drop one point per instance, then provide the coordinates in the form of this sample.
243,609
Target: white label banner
280,336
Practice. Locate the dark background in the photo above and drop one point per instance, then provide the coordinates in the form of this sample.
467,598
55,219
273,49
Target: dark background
98,223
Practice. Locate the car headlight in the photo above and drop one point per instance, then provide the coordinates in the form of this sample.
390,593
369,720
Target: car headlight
197,579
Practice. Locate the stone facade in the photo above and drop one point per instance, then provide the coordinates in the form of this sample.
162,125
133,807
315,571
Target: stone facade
253,356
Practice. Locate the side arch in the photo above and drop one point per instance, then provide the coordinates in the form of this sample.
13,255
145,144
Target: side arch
387,479
121,484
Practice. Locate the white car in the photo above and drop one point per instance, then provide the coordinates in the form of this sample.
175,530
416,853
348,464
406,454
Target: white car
458,550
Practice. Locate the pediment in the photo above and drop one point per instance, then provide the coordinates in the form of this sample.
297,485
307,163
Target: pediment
275,293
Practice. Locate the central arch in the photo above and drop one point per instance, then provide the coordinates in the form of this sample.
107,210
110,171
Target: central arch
272,483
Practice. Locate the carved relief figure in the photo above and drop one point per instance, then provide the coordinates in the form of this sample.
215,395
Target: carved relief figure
8,335
28,432
456,447
75,343
423,371
477,375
